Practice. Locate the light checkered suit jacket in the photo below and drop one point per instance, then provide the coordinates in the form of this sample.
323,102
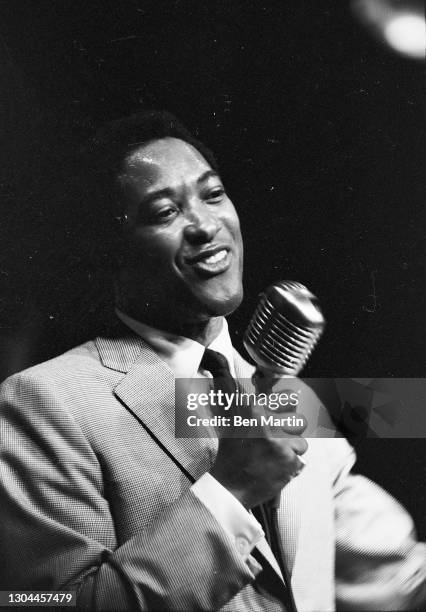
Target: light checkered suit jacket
95,495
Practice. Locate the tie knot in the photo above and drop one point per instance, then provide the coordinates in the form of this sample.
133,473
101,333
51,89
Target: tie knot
215,363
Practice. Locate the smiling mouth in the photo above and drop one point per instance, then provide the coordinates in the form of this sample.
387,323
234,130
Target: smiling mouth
212,264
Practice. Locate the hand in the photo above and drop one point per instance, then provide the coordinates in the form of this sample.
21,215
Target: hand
255,466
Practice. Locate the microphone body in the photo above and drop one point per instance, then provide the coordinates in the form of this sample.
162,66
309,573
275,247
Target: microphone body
281,335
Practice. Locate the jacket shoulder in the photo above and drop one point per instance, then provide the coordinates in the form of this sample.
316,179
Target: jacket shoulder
80,359
74,387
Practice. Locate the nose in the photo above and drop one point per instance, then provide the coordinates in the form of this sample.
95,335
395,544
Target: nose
202,225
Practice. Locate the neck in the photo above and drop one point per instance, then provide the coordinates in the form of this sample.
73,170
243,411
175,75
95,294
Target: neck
203,331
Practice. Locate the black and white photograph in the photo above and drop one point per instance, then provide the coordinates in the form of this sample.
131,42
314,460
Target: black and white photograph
212,306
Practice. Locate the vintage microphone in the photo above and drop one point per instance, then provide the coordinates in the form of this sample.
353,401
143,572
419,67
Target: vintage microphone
284,329
281,335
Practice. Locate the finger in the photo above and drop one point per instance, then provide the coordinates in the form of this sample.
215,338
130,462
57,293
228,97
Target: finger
299,445
300,467
299,464
292,445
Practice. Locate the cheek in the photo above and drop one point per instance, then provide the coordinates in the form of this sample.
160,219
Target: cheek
161,246
231,220
232,223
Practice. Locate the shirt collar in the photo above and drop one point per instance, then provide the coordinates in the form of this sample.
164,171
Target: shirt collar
182,355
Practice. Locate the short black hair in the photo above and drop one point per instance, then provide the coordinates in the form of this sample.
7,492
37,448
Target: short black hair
116,140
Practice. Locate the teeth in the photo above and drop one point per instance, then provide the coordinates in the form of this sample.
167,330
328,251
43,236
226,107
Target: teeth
219,256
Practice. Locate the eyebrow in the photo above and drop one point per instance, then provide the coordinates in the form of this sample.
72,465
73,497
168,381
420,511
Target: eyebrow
167,192
206,175
155,195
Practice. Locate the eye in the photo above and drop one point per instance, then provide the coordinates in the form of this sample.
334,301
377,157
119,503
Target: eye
157,214
163,215
215,195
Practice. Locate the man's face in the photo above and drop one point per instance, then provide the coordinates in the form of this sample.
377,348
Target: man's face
184,247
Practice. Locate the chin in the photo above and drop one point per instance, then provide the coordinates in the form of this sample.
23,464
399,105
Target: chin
222,305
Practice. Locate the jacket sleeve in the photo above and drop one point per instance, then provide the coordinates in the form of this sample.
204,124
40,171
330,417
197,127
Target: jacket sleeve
379,564
57,532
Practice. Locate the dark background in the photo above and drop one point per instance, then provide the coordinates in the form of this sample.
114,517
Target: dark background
319,130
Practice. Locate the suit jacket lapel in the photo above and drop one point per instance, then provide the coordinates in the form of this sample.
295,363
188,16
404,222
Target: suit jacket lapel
148,391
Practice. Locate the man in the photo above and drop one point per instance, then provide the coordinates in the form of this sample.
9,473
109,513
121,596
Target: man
99,495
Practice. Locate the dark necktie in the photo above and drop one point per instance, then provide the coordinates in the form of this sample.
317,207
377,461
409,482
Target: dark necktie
218,366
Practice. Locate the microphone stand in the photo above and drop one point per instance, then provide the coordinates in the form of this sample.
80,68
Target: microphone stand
264,383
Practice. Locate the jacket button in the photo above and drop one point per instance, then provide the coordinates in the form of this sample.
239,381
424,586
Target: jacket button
242,545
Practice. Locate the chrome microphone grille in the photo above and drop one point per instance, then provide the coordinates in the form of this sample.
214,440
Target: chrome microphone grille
284,329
